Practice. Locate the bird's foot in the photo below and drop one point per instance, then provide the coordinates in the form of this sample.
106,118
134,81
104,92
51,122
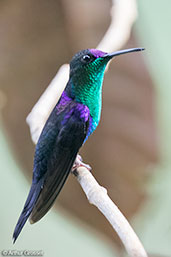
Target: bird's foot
79,163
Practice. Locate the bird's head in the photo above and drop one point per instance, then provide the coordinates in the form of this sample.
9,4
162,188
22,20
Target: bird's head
92,61
87,71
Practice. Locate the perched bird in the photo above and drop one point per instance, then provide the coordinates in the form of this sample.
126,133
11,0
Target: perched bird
72,121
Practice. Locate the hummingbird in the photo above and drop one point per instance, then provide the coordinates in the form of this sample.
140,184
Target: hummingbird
73,119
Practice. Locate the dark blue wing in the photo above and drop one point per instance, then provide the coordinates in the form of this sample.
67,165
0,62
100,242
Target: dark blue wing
70,138
56,150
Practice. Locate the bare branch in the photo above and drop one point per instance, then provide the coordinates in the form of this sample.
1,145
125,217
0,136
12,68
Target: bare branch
40,112
97,195
123,15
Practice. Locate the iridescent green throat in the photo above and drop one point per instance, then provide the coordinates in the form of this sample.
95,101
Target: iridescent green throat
87,87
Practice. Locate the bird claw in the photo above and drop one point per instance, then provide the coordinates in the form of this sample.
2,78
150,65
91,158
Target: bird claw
79,163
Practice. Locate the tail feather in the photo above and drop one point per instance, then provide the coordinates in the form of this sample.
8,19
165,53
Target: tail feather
53,184
28,207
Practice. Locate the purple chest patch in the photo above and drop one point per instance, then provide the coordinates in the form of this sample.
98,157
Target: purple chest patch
71,108
64,101
82,111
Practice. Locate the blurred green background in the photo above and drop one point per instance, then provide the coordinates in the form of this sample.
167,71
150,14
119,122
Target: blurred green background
130,151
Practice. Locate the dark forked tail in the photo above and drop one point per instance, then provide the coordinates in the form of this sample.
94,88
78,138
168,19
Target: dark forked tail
28,207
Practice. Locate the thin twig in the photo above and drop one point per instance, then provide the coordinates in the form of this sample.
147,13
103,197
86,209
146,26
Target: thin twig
97,195
40,112
123,16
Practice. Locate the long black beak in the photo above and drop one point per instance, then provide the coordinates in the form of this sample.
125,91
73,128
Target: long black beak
125,51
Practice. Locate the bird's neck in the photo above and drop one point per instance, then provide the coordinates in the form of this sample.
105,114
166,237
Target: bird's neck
88,91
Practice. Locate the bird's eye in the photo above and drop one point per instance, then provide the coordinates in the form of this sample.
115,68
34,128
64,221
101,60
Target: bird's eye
86,58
